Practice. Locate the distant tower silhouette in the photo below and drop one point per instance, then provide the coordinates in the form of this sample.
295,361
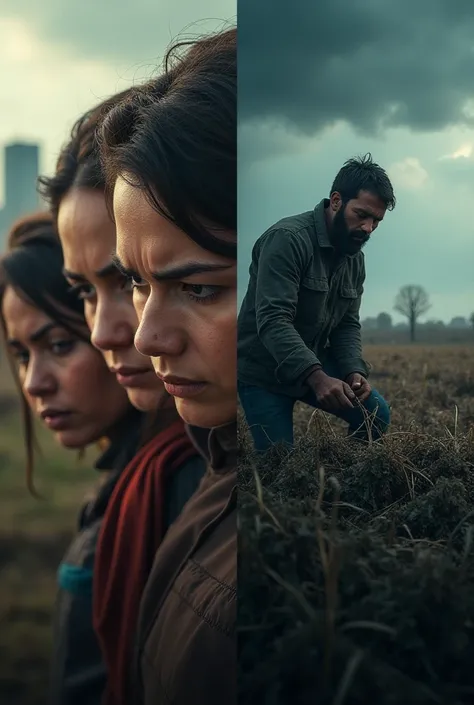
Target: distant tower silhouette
21,173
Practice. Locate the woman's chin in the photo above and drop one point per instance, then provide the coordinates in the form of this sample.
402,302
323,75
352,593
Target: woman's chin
145,399
75,440
69,440
206,415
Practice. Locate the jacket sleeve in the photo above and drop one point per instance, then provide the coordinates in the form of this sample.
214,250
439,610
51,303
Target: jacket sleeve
281,264
346,340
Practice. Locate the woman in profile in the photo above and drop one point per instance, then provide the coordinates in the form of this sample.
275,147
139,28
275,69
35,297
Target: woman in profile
64,381
166,470
169,150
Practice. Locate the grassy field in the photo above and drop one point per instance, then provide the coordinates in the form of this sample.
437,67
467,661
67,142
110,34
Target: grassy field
33,536
375,587
424,336
356,562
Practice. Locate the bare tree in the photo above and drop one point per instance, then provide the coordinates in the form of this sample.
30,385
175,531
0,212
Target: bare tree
412,301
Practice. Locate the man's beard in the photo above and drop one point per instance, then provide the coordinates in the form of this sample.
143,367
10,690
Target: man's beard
347,242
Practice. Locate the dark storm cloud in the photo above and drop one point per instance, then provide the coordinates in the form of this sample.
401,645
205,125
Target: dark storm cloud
372,63
118,30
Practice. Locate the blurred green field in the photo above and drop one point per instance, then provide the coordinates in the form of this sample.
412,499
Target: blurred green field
33,536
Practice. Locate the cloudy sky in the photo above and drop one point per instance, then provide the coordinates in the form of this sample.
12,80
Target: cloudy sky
60,57
320,82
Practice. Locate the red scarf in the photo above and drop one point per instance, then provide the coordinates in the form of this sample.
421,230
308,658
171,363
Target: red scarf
131,532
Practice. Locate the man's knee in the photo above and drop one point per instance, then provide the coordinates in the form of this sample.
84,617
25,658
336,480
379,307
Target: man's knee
382,410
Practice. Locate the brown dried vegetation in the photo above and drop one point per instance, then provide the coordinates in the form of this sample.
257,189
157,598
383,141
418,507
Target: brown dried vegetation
356,562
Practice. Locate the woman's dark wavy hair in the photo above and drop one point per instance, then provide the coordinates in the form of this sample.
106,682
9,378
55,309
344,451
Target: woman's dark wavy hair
78,164
33,267
175,138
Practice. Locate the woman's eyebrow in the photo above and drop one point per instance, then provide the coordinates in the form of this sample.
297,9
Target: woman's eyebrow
107,270
36,336
182,271
117,263
189,269
72,275
102,273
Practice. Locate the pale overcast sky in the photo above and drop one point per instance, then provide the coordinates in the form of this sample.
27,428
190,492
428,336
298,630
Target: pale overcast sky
323,81
60,57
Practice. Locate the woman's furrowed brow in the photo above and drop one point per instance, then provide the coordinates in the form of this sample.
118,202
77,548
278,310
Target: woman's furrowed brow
188,269
180,271
121,267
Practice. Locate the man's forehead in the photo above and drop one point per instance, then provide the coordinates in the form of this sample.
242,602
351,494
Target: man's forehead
371,202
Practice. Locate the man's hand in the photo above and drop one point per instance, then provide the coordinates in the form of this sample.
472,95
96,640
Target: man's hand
359,386
332,394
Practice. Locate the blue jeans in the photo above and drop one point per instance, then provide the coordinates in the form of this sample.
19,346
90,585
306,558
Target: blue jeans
270,415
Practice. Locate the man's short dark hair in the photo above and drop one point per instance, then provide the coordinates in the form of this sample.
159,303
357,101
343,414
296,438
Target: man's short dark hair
363,174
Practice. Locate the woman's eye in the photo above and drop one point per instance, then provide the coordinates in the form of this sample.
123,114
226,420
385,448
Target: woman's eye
127,284
202,292
131,283
137,282
83,291
62,347
21,357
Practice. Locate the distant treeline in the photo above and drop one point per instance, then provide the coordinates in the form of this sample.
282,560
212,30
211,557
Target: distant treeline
383,322
381,330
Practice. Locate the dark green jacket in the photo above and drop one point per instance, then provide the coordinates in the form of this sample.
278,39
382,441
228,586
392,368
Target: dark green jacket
299,303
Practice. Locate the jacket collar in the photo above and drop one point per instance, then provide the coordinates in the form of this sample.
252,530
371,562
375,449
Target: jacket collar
320,224
217,445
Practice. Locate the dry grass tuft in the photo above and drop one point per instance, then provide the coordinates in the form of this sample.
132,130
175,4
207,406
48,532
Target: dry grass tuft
356,562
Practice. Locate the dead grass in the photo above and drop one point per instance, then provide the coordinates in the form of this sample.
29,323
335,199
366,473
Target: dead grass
356,562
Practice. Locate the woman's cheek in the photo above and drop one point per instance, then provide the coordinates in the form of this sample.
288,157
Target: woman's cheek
85,374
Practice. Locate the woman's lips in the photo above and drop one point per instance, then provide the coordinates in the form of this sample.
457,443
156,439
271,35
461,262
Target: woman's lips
57,420
182,387
131,376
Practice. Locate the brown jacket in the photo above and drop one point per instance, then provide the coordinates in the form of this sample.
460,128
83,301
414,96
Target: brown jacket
186,633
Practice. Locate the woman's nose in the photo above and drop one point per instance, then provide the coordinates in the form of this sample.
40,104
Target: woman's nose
110,330
39,380
160,332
